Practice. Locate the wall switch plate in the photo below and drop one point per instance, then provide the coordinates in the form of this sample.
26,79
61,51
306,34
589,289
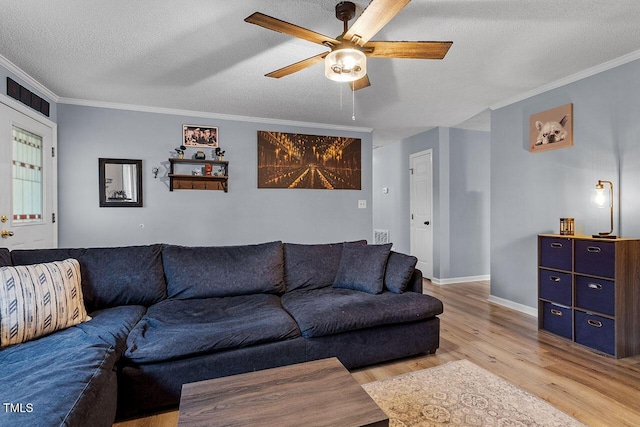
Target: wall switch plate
362,204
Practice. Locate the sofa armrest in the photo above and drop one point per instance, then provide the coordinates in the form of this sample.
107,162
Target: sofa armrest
415,283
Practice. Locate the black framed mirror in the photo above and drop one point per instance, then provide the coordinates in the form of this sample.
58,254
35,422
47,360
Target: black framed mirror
120,182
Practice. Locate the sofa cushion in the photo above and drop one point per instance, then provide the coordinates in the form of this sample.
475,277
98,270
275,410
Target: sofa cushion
39,299
38,256
76,366
129,275
400,268
312,266
5,258
362,267
174,329
220,271
330,311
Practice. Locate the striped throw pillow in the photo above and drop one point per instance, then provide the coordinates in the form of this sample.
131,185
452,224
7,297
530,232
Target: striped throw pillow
39,299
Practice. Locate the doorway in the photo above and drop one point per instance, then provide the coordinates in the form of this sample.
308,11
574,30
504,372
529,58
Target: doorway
28,175
421,207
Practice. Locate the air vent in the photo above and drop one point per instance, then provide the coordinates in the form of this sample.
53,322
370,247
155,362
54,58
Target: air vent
380,237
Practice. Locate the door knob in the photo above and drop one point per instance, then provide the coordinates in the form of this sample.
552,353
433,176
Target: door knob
426,223
5,234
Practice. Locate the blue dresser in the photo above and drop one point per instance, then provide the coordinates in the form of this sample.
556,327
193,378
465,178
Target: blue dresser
589,291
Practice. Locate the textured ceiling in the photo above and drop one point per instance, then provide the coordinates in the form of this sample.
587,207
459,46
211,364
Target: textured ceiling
200,55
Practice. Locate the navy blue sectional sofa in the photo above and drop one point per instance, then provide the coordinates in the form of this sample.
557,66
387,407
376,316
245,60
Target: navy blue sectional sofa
165,315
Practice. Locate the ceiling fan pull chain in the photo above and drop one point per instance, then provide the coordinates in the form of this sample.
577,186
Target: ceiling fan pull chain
340,97
353,105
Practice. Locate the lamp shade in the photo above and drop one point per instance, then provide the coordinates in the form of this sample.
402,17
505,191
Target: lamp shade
345,65
601,199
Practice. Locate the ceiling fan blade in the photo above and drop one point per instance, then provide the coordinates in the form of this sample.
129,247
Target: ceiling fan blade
293,68
412,50
372,19
290,29
361,83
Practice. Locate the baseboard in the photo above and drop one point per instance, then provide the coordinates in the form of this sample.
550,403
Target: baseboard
531,311
453,280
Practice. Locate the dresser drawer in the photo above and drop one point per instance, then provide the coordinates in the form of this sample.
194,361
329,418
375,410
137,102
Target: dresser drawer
555,286
595,257
595,295
595,332
556,252
556,319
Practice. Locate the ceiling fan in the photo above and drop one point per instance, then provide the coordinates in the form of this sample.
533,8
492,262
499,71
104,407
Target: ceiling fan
346,61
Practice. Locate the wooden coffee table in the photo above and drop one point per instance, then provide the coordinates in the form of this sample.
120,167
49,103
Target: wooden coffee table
318,393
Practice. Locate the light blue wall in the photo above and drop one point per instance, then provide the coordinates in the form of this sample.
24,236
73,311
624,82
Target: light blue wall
243,215
469,202
530,192
391,170
4,73
460,198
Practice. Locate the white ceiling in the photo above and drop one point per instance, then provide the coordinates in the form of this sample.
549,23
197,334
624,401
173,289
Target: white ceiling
200,55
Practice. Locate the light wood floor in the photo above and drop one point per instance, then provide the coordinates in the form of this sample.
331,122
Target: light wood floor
597,390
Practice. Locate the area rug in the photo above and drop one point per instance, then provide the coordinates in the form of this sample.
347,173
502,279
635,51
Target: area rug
461,394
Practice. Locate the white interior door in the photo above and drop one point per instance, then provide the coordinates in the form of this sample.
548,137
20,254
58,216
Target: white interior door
421,202
27,179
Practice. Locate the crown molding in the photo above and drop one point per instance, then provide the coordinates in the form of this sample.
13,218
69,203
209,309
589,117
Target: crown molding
570,79
202,114
26,78
18,72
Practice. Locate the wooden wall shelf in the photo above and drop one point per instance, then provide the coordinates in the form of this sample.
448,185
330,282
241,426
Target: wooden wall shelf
182,181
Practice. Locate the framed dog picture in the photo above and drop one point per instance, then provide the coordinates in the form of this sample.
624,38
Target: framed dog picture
551,129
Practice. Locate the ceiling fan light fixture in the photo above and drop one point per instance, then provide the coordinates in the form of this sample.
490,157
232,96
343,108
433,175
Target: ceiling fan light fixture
345,65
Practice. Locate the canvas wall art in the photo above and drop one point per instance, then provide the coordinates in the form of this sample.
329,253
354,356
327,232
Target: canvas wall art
290,160
551,129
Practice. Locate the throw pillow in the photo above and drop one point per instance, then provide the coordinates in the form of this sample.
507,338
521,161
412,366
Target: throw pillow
36,300
312,266
400,268
362,267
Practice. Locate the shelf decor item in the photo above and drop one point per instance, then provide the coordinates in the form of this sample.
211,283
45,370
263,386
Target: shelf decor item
567,227
180,151
551,129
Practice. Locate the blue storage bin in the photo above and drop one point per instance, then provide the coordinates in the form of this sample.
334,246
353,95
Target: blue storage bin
595,331
556,252
555,286
594,294
595,257
557,319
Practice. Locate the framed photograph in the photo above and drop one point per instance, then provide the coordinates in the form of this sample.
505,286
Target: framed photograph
551,129
290,160
200,136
